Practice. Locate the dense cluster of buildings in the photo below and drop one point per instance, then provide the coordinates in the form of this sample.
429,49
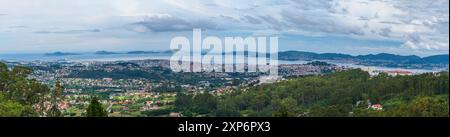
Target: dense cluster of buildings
130,96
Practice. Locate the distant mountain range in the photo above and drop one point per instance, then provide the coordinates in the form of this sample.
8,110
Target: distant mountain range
104,52
60,54
132,52
141,52
148,52
382,59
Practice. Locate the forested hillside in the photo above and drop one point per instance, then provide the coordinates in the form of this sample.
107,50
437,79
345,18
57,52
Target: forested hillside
348,93
21,96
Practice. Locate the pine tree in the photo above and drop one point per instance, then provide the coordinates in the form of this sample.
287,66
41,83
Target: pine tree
58,91
54,112
95,109
56,98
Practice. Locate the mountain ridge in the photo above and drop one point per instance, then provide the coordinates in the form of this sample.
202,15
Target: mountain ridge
303,55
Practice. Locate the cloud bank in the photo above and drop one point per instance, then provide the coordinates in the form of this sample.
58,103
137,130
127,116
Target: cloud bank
418,26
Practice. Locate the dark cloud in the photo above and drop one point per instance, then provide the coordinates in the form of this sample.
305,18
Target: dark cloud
364,18
299,19
251,19
230,18
439,26
211,5
312,4
274,23
390,22
169,23
317,23
442,27
385,32
69,31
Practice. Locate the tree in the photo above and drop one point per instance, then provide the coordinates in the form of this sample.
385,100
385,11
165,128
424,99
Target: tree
340,94
17,87
56,97
227,109
259,101
3,76
95,109
58,91
204,103
330,111
54,111
429,107
20,71
285,108
9,108
183,102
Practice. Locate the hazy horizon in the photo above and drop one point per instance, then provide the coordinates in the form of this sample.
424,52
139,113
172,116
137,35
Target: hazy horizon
126,52
357,27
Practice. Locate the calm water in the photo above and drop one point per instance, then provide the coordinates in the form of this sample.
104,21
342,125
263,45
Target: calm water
125,57
97,57
83,57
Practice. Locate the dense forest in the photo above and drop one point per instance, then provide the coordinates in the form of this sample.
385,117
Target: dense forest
21,96
347,93
153,74
382,59
341,94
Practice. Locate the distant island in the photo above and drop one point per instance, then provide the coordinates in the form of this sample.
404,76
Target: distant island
149,52
103,52
382,59
58,53
141,52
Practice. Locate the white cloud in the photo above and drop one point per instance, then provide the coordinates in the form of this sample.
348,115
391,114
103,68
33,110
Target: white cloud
421,25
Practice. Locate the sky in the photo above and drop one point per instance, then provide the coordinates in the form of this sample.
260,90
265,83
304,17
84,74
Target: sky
405,27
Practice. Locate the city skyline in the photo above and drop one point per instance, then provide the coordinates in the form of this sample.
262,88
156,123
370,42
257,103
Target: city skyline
324,26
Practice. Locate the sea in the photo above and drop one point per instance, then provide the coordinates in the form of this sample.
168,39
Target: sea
29,57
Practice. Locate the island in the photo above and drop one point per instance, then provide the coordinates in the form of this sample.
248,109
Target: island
103,52
58,53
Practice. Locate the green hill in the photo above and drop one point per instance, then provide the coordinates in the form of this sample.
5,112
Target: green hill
341,94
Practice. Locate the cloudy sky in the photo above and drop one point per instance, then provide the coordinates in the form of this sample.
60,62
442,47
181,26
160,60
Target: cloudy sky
405,27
